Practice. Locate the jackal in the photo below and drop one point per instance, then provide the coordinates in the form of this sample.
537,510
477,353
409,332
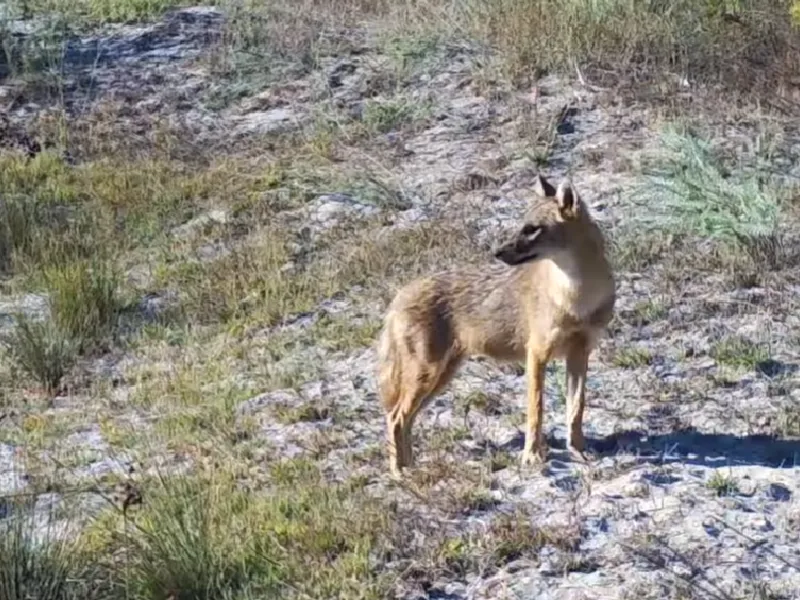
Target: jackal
551,299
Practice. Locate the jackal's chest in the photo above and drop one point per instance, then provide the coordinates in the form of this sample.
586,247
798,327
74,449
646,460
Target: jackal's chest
577,298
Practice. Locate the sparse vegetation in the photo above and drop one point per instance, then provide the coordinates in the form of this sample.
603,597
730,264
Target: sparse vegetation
788,422
34,563
42,350
483,402
696,194
627,38
632,357
649,311
383,117
723,485
309,411
203,537
633,249
84,299
188,268
738,351
341,333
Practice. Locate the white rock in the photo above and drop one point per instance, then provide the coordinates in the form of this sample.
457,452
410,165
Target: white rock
275,120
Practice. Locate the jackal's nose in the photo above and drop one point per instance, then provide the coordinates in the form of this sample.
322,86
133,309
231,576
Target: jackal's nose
504,253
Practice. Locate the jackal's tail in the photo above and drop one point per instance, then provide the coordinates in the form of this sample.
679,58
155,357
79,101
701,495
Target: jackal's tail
390,368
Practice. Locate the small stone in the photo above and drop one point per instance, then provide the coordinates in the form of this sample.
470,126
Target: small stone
332,207
276,120
258,403
779,492
339,72
330,210
33,306
261,102
200,222
636,489
764,525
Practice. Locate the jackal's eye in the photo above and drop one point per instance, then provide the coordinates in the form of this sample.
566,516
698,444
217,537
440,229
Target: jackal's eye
530,230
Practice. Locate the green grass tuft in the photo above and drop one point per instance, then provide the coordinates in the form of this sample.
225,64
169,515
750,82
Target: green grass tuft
197,539
391,115
84,299
738,351
632,358
41,350
689,191
722,485
34,561
205,537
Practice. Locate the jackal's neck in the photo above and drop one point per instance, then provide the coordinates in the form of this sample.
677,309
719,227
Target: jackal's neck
582,261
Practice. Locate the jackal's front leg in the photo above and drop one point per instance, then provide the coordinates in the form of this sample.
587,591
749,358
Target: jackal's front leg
577,366
535,450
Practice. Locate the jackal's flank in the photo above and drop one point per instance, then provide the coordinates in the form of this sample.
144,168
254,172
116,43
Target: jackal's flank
551,299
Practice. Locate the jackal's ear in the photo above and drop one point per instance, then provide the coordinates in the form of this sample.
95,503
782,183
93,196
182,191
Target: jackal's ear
543,187
568,201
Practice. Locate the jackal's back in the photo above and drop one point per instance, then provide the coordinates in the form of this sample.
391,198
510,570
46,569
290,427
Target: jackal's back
464,311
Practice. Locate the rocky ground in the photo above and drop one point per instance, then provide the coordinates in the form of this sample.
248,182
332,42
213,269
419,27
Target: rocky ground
380,161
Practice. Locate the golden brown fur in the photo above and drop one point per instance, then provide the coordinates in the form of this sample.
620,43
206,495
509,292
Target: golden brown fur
551,299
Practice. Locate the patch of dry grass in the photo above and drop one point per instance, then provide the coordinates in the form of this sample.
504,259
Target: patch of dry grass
637,42
271,276
338,334
69,230
640,42
508,538
104,206
631,249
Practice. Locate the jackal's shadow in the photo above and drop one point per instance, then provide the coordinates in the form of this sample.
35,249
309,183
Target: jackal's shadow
687,445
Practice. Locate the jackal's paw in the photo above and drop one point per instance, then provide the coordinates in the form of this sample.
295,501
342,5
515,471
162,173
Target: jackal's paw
396,470
579,455
533,457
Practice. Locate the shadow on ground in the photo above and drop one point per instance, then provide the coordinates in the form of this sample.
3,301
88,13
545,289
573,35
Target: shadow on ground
686,445
692,446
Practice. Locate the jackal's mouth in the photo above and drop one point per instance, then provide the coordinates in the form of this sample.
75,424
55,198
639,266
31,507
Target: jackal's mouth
513,258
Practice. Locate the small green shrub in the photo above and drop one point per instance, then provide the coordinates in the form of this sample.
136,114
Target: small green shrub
737,351
723,485
41,350
20,220
632,358
689,191
43,568
84,298
389,115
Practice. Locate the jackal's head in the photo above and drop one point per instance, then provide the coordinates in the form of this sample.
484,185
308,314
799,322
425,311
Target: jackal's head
550,225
